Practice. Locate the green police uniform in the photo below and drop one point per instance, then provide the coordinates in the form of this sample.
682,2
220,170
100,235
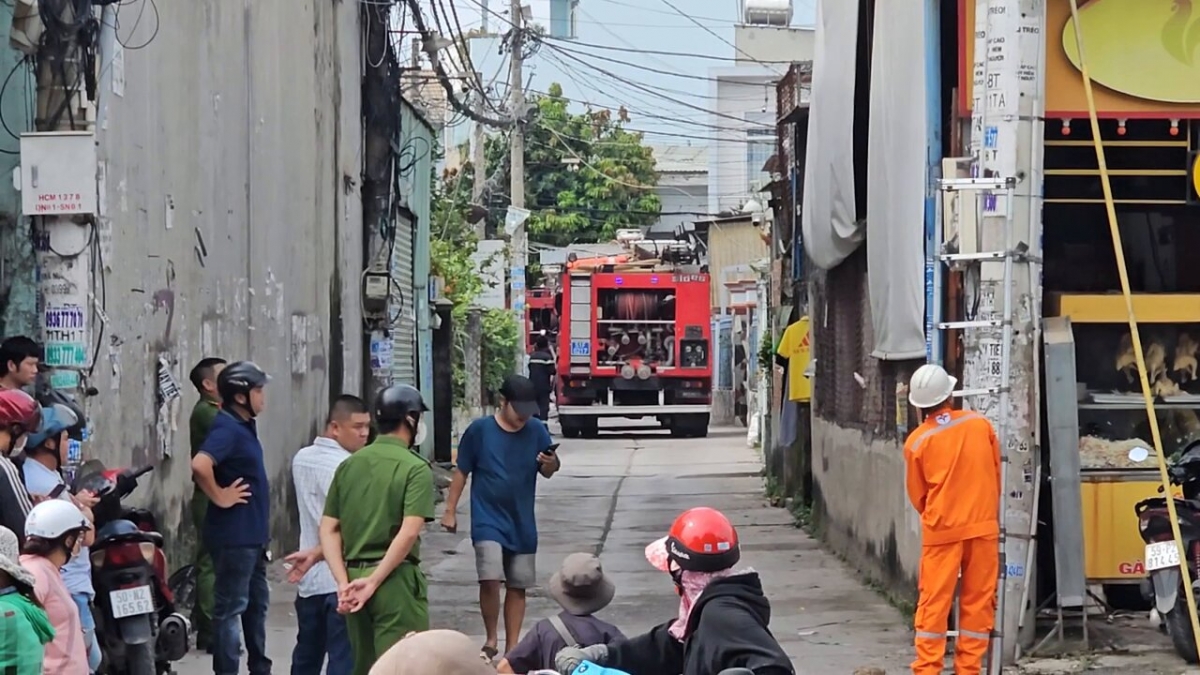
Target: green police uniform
372,493
203,414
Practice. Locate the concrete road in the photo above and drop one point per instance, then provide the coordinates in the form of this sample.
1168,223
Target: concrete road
618,493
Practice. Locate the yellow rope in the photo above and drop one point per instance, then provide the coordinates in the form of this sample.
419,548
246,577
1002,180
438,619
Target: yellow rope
1133,329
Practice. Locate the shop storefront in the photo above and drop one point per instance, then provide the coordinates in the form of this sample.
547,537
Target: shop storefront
1146,79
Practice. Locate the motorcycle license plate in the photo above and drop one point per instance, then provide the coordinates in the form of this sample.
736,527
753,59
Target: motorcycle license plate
131,602
1161,555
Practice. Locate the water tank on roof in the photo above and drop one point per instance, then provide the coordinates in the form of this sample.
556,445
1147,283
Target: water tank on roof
767,12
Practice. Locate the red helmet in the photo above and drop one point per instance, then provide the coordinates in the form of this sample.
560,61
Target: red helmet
701,540
18,409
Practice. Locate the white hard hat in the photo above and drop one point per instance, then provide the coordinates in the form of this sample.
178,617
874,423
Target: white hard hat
930,386
53,518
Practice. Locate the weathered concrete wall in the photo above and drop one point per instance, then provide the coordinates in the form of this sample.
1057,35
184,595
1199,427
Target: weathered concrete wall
18,274
860,506
231,151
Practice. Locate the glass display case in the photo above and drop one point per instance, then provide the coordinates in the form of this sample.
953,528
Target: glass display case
1108,429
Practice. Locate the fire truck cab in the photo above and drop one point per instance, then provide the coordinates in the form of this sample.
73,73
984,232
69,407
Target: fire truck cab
634,338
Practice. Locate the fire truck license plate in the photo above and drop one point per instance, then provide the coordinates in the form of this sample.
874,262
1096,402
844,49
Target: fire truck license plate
1161,555
131,602
581,348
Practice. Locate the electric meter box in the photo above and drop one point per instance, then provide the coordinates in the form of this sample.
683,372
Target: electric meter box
58,173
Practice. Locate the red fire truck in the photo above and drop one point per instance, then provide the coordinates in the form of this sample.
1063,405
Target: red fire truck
540,317
635,338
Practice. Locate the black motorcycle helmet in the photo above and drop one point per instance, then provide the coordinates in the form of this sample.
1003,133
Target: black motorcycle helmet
240,377
399,404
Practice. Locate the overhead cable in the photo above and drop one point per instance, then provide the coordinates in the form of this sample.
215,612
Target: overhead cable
428,46
651,91
658,52
712,32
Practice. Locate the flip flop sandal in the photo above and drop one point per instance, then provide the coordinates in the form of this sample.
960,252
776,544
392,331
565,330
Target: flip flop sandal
489,653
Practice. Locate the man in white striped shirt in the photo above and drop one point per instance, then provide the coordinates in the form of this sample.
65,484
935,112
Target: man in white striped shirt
322,631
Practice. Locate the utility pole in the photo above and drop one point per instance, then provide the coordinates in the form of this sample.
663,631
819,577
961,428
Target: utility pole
520,244
1006,130
64,244
473,365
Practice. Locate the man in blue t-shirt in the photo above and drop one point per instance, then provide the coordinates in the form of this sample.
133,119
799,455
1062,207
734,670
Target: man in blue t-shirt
504,454
229,469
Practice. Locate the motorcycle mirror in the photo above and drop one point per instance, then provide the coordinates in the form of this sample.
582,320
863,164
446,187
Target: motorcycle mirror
1138,454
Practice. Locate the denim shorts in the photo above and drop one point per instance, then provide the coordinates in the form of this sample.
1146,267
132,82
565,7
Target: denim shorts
83,602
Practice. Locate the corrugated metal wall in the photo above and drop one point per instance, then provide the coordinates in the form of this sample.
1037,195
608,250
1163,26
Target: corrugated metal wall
730,245
417,144
404,330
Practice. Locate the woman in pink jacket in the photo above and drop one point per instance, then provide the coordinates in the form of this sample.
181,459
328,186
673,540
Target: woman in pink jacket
52,534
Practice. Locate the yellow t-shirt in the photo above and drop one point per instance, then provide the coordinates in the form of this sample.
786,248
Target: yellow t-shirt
796,347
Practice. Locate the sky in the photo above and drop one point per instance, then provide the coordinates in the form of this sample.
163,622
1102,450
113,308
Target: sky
670,108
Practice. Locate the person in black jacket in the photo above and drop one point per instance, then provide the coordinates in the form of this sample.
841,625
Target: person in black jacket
19,416
723,614
541,372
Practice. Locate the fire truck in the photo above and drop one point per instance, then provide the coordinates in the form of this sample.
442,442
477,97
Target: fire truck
540,317
635,338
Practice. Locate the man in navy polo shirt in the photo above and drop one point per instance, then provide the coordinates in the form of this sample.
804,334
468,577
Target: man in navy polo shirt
229,469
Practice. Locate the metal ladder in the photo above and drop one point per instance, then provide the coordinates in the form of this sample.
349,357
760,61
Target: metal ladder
978,194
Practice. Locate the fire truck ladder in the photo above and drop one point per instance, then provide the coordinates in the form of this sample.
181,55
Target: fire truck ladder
972,194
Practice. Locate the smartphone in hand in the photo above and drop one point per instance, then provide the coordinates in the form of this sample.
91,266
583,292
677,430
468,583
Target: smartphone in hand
552,449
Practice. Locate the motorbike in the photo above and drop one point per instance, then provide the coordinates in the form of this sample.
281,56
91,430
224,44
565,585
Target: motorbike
137,626
1165,586
589,668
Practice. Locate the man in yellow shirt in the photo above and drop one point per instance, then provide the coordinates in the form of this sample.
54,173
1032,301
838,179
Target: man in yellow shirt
794,352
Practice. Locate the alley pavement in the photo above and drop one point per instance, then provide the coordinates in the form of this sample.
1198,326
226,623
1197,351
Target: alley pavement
616,494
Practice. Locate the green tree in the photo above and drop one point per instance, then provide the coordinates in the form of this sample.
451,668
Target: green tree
451,250
586,177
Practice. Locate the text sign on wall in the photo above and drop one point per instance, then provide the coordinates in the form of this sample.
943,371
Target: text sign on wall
64,328
58,173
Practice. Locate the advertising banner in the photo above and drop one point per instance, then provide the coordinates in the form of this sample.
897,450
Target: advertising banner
1143,57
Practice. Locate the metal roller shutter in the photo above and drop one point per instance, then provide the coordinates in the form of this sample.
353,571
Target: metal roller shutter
404,332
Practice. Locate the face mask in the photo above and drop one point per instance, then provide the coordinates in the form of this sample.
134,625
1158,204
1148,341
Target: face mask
422,432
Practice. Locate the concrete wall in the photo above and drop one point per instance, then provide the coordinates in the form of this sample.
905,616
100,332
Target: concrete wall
18,274
231,150
684,196
741,93
773,43
860,505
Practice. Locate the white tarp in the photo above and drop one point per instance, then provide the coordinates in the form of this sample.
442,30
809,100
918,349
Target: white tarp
830,227
896,170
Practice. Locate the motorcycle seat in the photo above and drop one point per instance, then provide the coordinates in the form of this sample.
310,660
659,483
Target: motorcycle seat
139,536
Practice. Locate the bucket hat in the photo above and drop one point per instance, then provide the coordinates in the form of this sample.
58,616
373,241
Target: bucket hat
580,586
10,553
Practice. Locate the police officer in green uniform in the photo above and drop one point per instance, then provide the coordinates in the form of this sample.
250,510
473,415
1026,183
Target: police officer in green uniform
378,503
204,378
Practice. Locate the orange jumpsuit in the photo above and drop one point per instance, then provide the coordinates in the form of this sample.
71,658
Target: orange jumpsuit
953,481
